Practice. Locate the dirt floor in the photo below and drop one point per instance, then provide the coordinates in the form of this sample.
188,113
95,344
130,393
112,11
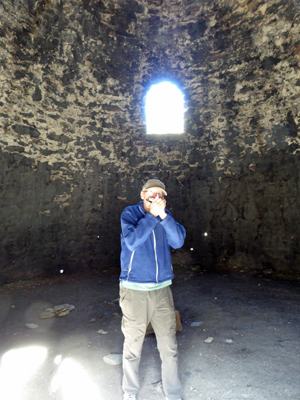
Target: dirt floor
254,323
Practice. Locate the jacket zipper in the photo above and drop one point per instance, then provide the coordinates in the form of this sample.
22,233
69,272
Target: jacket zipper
155,256
130,264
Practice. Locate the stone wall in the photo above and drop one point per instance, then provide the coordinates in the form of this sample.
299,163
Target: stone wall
74,150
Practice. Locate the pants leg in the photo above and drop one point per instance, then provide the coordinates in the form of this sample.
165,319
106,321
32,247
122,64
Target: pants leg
134,305
163,322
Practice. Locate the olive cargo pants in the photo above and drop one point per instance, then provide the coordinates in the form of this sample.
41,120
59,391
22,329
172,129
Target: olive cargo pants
139,308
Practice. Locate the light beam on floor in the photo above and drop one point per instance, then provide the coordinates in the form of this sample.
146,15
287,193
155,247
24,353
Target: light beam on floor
17,368
73,382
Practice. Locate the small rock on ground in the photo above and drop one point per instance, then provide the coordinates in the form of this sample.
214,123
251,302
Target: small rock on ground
113,359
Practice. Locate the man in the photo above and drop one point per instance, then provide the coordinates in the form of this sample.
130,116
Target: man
148,231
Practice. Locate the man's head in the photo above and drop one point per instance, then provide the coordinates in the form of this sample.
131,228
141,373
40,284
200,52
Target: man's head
153,188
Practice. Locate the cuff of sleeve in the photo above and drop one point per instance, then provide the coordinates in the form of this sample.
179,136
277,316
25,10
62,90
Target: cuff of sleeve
152,218
163,221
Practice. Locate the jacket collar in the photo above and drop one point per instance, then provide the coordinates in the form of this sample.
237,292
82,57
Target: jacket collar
141,208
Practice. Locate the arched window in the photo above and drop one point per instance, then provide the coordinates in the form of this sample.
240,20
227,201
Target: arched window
164,109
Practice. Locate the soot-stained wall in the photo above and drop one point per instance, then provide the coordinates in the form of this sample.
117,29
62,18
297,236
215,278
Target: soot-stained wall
74,149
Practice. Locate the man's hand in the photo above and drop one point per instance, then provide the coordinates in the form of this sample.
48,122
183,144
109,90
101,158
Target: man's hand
157,207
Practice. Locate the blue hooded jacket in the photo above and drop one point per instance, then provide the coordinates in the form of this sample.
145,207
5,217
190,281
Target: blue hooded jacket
145,243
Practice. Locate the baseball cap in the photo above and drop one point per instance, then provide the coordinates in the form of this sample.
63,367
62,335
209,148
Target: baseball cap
155,183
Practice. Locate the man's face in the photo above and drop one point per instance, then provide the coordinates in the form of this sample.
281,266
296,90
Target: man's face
149,195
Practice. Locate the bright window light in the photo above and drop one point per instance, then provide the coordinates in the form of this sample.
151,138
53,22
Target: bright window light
164,109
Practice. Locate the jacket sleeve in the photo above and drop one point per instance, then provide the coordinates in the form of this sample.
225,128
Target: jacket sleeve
175,232
134,232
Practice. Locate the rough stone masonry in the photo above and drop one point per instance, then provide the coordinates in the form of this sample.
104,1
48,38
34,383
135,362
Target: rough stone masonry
74,149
